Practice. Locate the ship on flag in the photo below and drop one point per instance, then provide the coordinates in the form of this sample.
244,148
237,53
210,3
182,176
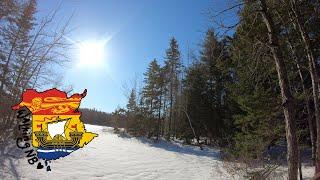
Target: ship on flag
57,129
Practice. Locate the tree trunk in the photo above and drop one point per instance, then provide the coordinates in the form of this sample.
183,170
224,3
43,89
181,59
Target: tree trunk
314,76
300,168
170,115
164,115
310,115
287,99
159,119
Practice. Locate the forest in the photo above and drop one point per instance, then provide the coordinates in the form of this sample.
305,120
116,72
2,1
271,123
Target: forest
247,93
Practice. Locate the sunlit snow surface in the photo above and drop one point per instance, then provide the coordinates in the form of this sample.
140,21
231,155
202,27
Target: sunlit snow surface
112,157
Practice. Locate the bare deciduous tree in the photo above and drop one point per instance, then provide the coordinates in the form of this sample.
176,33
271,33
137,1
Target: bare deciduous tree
29,50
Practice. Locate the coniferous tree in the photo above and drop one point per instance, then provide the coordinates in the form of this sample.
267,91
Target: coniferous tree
132,122
152,95
254,89
172,70
211,57
151,90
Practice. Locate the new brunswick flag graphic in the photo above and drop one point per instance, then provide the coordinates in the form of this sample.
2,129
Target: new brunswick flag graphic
56,126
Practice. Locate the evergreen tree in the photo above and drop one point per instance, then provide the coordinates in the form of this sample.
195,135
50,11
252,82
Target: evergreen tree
152,94
196,103
211,56
151,89
172,69
133,124
255,90
132,104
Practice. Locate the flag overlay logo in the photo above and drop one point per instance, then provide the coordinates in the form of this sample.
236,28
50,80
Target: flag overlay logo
56,127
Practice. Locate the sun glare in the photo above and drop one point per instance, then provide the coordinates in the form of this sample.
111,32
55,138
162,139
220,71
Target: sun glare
91,53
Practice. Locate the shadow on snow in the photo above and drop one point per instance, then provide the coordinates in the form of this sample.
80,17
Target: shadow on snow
177,147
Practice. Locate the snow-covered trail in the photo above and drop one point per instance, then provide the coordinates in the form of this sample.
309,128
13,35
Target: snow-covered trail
111,157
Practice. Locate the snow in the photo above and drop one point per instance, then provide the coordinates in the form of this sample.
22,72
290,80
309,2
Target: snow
110,156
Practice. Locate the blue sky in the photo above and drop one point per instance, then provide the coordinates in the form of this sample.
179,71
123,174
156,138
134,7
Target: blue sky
139,31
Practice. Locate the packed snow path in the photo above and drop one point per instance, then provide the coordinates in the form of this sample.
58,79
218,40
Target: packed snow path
112,157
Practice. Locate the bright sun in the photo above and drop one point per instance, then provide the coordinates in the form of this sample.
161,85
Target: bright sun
91,53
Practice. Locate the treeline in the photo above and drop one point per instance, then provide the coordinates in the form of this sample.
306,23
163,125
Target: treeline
184,102
244,92
95,117
30,51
